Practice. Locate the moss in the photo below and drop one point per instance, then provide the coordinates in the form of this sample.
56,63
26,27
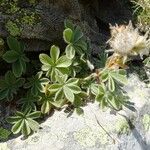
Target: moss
146,122
13,8
29,19
13,28
32,1
122,126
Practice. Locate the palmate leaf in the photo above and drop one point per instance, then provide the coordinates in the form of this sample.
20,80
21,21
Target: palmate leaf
65,88
36,83
55,65
9,86
73,36
24,123
16,56
112,77
28,102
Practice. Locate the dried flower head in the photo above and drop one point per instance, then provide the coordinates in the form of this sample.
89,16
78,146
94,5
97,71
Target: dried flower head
126,41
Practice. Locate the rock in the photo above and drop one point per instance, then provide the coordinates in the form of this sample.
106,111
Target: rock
41,24
96,129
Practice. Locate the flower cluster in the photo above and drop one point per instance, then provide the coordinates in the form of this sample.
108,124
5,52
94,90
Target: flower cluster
126,41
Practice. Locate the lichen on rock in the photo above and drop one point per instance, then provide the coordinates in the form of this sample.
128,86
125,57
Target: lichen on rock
122,126
146,122
13,28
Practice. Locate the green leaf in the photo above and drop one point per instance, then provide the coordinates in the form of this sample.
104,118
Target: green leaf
104,76
3,94
17,68
70,52
11,56
21,114
46,107
63,62
34,115
53,75
13,119
114,102
103,103
59,95
119,77
72,81
46,60
59,103
101,93
46,67
77,101
20,82
79,111
94,88
68,94
13,44
67,35
33,124
77,34
54,53
74,88
17,127
55,87
111,84
69,24
25,128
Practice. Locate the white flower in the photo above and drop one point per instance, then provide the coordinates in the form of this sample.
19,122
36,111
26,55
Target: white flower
126,41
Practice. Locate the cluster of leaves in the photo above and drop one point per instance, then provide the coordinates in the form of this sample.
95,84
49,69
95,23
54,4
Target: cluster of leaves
142,11
61,81
4,133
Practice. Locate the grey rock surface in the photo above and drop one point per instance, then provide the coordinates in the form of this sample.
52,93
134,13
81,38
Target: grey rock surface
96,129
93,17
